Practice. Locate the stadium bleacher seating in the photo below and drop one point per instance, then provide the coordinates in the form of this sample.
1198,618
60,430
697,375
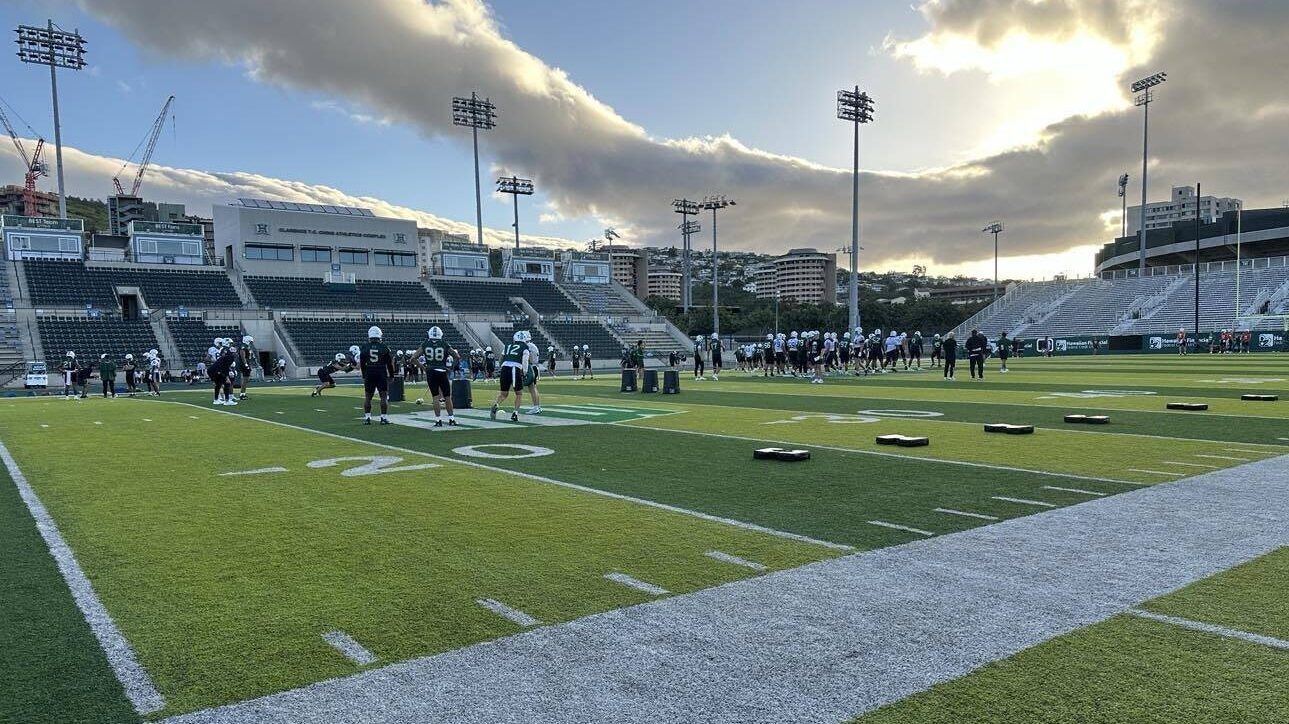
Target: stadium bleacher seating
1152,305
600,299
194,336
89,338
365,295
73,284
477,296
318,340
570,333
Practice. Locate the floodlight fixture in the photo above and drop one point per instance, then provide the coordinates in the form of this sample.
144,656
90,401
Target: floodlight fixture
715,202
1143,100
56,48
856,107
475,113
516,187
686,208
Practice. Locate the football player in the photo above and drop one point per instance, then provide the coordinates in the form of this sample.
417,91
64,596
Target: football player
699,368
915,348
246,359
586,362
715,347
515,358
489,364
130,369
341,363
69,368
532,373
439,359
219,370
376,363
154,372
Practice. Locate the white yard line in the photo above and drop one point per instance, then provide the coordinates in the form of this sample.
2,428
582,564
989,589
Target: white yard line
542,479
1192,465
1024,501
257,471
1223,457
859,451
349,648
120,656
965,514
1250,452
636,583
1074,490
897,526
514,615
1156,472
727,558
1211,628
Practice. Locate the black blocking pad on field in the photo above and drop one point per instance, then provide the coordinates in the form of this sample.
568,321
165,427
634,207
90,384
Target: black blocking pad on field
628,381
776,453
1192,406
1259,398
1010,429
903,440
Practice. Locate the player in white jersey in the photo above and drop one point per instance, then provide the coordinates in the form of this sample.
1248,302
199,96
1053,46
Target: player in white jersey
533,371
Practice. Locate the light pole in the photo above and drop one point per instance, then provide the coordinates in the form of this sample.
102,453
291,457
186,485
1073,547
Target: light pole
1144,97
995,228
1199,193
1123,197
857,108
475,114
776,312
686,209
56,48
715,202
516,187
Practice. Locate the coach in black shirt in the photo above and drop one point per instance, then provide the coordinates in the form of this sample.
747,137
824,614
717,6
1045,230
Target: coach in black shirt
977,350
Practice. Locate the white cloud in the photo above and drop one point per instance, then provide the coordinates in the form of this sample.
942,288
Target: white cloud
405,59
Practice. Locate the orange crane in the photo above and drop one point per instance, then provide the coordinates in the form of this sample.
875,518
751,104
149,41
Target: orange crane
151,141
32,165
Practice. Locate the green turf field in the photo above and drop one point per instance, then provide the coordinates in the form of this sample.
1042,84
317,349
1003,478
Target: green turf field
225,542
1131,669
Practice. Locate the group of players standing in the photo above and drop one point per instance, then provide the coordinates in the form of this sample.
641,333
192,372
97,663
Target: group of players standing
77,375
816,354
518,372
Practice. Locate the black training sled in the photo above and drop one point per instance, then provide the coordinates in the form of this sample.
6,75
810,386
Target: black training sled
1191,406
776,453
1260,398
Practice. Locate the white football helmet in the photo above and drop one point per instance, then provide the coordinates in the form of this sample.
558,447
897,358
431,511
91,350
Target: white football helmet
586,346
714,336
247,339
434,333
153,352
71,354
518,337
374,332
340,356
129,358
354,350
794,334
488,348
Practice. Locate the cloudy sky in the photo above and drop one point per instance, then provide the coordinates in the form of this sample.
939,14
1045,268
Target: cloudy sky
986,109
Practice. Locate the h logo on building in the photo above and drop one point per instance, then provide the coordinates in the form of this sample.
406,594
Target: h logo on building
261,229
400,238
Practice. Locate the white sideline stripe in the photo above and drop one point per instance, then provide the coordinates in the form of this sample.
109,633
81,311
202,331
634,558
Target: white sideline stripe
98,422
1074,490
897,526
727,558
606,408
636,583
570,411
256,471
147,419
1193,465
44,425
1156,472
1251,452
1024,501
549,481
1210,628
133,677
860,451
193,417
964,513
1223,457
513,614
350,649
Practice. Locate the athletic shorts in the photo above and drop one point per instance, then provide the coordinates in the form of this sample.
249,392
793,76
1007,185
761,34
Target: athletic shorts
325,377
716,360
218,378
375,382
440,385
512,377
915,352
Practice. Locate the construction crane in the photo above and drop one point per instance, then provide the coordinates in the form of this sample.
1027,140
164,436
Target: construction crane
33,166
151,145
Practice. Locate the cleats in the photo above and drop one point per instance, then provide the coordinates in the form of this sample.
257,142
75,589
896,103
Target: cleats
514,417
493,413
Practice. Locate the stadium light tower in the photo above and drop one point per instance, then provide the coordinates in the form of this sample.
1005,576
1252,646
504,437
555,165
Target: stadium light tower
475,114
995,228
609,235
715,202
516,187
1144,97
56,48
686,209
857,108
1123,197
